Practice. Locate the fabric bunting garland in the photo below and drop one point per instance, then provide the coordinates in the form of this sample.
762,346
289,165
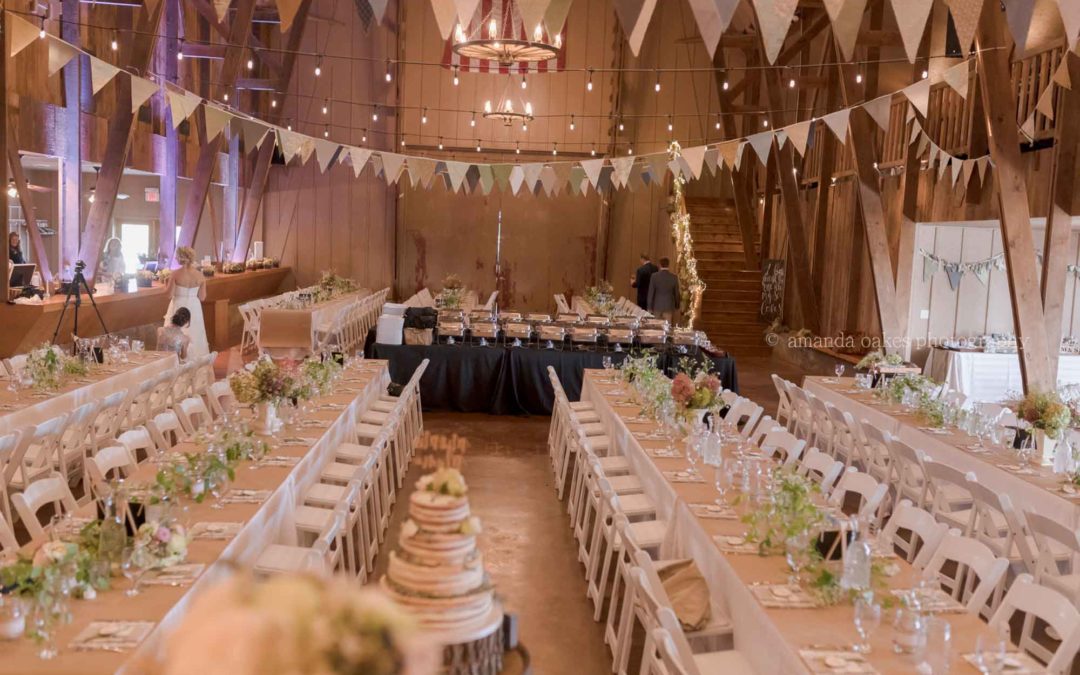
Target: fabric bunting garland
955,270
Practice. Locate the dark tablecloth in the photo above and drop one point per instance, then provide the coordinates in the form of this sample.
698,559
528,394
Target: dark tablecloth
510,380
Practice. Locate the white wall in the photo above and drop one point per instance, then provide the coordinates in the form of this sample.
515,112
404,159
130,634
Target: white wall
973,308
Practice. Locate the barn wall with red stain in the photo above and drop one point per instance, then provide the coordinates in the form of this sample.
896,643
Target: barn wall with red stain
548,244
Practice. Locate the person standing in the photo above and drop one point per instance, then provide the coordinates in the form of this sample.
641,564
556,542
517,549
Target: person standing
187,288
15,252
664,292
640,280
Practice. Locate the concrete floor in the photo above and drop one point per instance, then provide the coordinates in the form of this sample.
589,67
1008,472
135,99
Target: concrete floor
529,551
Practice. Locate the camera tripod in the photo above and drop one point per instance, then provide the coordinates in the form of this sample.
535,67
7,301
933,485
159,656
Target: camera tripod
74,290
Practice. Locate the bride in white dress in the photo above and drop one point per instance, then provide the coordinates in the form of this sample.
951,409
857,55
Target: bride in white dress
187,288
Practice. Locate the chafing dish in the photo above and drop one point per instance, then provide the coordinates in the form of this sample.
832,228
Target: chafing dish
454,328
655,324
587,334
551,332
625,321
687,336
517,329
597,320
481,315
652,336
484,329
620,335
510,316
538,318
451,315
568,318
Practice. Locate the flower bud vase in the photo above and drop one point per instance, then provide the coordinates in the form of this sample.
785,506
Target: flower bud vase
266,420
1046,445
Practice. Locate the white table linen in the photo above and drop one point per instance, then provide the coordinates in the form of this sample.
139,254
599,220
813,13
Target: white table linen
989,377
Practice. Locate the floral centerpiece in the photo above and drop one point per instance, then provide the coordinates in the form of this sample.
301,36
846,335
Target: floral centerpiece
159,544
1049,416
263,384
163,274
695,396
232,267
649,386
875,359
452,293
47,367
445,481
144,278
600,297
291,624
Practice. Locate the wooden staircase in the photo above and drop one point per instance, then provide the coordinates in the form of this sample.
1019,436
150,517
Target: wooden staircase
729,313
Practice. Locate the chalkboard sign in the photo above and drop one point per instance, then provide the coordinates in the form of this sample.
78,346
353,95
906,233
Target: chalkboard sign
772,289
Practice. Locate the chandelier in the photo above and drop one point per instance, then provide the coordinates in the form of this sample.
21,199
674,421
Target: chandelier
505,111
506,49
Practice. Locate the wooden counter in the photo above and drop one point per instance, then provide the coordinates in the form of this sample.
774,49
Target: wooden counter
26,326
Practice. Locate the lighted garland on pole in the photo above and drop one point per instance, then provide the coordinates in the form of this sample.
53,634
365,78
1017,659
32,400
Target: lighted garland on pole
691,286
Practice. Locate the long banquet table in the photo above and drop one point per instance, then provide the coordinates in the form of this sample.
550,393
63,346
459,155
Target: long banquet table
29,407
509,380
282,329
989,377
262,524
769,638
1029,488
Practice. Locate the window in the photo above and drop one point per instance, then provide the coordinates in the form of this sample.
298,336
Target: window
135,240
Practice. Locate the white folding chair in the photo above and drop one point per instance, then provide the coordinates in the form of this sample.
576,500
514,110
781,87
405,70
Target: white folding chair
783,445
969,571
820,467
783,407
923,533
875,451
871,494
1051,608
41,447
53,490
323,556
1057,550
947,496
112,460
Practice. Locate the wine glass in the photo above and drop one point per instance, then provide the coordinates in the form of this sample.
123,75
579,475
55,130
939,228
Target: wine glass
867,618
722,479
131,570
991,650
839,370
606,362
795,548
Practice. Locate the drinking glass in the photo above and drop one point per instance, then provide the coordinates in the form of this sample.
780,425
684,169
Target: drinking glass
46,616
131,570
839,370
795,549
692,455
938,650
722,481
606,361
867,618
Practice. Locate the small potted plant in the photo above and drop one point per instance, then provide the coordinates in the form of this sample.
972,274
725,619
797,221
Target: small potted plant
144,278
1048,417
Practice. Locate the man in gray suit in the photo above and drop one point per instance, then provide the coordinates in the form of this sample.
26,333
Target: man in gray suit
664,292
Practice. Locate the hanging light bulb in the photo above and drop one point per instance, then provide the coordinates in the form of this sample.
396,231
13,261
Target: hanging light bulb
251,64
472,122
403,142
571,122
717,121
493,29
440,142
318,67
725,85
363,139
622,127
925,74
858,78
180,51
487,107
478,145
593,151
456,80
273,103
524,126
41,33
375,114
12,191
326,106
555,149
791,83
225,97
670,123
90,197
389,77
588,85
517,148
765,123
423,117
326,132
657,86
630,150
524,84
289,127
115,44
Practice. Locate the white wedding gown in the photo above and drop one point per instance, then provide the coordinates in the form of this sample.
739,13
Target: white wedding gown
188,297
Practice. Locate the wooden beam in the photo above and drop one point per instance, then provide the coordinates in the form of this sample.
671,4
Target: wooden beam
264,55
195,50
786,54
252,200
741,181
4,142
171,161
999,107
1059,220
861,130
26,200
767,203
256,84
820,220
118,142
71,200
239,33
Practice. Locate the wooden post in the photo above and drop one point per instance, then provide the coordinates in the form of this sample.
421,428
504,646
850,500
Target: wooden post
1059,220
824,188
171,168
861,134
253,199
3,150
119,140
26,200
741,181
999,108
71,197
239,33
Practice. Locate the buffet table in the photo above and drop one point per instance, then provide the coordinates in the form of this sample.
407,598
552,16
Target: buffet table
989,377
509,380
769,638
262,524
283,330
1033,489
30,407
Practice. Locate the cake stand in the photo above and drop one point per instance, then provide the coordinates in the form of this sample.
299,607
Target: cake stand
474,648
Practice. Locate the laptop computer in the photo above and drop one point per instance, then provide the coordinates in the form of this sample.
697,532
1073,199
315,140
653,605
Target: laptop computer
21,275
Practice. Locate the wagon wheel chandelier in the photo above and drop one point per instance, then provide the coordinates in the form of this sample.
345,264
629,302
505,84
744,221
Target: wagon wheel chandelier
505,47
506,112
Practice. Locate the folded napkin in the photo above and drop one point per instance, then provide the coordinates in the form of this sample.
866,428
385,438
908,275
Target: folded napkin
245,497
688,592
215,530
664,453
177,575
683,477
933,600
783,596
715,511
112,636
278,460
735,544
1014,663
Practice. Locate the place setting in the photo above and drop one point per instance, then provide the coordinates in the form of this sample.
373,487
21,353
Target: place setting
112,636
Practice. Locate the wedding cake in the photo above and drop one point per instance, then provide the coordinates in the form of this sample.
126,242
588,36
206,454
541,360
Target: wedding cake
438,572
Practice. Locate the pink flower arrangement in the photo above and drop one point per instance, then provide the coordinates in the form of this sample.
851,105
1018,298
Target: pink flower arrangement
698,393
682,389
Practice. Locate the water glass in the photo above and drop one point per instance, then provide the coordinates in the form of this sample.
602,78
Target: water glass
606,361
839,370
867,618
131,570
938,650
722,481
795,552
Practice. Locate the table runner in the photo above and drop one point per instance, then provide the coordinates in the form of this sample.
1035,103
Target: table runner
281,328
769,638
1039,491
506,380
263,524
988,377
142,366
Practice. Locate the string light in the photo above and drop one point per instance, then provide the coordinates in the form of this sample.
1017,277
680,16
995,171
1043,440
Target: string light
180,50
622,127
517,148
472,122
791,83
289,127
718,121
725,85
375,114
657,87
115,44
225,97
524,126
670,123
423,118
571,122
326,107
630,150
858,78
403,142
555,149
273,103
478,145
588,85
251,64
524,84
389,77
326,132
440,142
765,123
318,67
363,139
593,151
41,33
